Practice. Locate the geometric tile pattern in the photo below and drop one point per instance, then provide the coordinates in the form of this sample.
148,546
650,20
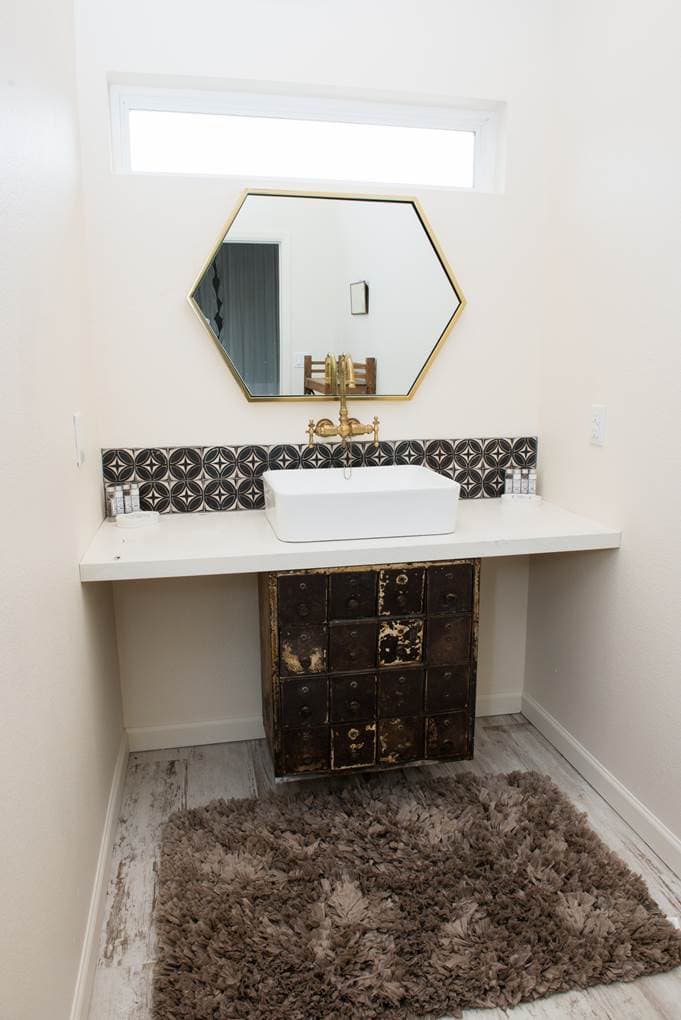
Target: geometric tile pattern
193,479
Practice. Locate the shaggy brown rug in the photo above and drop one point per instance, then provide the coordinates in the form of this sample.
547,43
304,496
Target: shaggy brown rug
384,899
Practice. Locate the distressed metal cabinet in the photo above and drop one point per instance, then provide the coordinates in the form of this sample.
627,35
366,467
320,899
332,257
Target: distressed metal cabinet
369,667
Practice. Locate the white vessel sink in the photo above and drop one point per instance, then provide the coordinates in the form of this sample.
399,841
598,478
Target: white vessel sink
319,505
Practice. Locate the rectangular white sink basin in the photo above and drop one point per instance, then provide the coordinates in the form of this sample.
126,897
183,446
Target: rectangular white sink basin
319,505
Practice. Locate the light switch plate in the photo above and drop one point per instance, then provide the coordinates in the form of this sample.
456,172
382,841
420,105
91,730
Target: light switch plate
598,418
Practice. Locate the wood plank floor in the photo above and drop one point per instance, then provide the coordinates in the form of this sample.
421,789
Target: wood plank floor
160,782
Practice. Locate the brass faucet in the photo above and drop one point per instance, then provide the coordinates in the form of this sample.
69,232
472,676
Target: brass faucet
347,427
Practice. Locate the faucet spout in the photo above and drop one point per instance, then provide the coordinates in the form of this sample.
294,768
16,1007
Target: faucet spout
347,427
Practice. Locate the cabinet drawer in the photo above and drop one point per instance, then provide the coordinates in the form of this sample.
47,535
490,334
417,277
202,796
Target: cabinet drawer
400,641
353,697
304,702
450,588
400,692
353,745
302,598
352,646
352,595
447,735
400,740
449,640
302,650
400,592
306,750
447,688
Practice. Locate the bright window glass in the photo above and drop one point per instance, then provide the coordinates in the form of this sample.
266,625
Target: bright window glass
206,143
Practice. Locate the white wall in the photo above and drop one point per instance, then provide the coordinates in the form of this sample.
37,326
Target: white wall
149,235
164,382
604,643
59,696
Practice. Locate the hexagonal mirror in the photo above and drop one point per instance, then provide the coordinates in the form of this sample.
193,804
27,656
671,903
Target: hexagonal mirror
296,280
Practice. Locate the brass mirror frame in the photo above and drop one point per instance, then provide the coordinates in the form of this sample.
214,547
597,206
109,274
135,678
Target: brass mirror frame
414,202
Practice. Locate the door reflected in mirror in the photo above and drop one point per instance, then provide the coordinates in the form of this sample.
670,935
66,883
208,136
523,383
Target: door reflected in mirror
297,278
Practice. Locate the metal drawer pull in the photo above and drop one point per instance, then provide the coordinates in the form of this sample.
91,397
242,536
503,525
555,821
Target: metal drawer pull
401,579
353,602
353,734
305,710
401,600
354,705
303,609
305,661
354,685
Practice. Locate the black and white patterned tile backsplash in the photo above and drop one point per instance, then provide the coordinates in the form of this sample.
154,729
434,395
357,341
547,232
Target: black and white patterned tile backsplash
189,479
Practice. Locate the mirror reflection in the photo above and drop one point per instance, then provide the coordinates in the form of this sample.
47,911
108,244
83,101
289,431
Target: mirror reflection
297,280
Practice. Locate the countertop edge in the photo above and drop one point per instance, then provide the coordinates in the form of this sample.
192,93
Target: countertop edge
292,556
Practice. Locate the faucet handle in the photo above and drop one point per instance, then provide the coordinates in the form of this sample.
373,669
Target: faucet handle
375,430
310,432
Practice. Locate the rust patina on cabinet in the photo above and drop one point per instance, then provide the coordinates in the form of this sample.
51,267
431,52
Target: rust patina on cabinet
369,667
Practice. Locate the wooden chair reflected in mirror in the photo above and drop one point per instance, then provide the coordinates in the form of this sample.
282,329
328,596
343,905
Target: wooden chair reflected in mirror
317,381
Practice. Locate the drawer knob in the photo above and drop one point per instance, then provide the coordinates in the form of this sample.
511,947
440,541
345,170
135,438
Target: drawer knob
352,654
303,585
353,734
353,603
354,705
305,710
450,598
401,579
303,609
354,685
307,759
305,661
448,675
305,689
401,600
402,680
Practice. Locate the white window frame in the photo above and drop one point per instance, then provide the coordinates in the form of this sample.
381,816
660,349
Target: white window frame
483,122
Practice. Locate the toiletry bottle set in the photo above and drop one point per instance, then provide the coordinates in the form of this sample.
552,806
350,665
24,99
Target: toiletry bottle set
122,499
520,482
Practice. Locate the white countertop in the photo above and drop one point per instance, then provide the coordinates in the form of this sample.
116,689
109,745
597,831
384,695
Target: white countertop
242,542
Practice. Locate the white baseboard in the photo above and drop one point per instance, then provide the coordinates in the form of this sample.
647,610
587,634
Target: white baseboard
88,956
216,731
648,826
503,703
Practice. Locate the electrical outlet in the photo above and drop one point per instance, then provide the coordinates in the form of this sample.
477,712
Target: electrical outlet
598,416
298,359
